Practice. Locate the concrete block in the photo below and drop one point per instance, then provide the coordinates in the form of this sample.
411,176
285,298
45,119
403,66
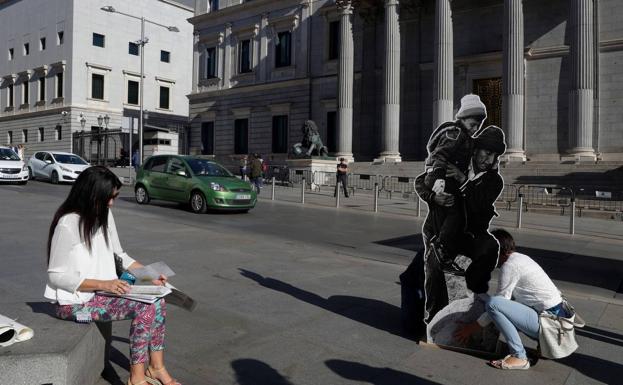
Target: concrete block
60,353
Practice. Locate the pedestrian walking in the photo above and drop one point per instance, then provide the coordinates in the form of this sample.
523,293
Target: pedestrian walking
136,160
82,244
341,177
21,150
256,172
243,167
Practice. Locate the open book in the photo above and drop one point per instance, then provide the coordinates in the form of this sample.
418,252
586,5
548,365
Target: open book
12,332
142,293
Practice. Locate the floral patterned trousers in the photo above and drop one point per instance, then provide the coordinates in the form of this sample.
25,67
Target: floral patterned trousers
146,331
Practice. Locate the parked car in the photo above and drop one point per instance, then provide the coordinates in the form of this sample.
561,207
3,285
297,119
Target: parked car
12,168
56,166
200,182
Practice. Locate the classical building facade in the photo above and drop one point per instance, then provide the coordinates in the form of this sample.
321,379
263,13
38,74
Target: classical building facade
65,63
379,75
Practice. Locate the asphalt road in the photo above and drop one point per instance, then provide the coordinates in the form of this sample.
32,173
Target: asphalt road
293,294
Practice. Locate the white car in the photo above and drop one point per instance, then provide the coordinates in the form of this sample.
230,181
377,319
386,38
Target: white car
12,168
56,166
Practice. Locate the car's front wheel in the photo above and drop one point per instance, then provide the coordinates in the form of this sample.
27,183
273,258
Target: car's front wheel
54,177
198,202
141,195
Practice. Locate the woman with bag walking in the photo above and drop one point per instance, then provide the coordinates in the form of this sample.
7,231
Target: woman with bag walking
536,302
82,244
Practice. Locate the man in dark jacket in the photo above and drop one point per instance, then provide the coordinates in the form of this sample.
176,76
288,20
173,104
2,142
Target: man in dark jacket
479,189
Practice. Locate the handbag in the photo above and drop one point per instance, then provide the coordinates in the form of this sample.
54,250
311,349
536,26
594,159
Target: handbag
557,334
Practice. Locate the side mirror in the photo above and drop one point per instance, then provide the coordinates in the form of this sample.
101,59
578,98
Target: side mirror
181,173
48,161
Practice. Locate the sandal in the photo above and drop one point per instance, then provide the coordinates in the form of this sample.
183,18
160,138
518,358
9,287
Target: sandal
149,376
501,364
138,383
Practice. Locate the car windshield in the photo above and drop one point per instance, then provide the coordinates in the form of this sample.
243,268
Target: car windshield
8,154
203,167
69,159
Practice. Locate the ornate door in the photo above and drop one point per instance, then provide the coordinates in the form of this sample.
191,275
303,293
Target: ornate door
490,92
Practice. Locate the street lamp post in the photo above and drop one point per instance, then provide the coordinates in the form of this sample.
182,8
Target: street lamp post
83,122
142,43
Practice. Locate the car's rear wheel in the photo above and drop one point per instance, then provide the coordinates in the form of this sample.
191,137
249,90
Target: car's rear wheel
141,195
198,202
54,177
31,176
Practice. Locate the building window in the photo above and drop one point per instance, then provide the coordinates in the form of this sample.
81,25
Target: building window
26,49
244,56
25,92
97,86
207,138
60,37
9,137
133,49
283,49
132,92
59,85
332,131
25,136
98,40
334,40
164,97
11,53
58,132
211,63
241,136
41,88
10,89
213,5
41,136
42,44
165,56
280,134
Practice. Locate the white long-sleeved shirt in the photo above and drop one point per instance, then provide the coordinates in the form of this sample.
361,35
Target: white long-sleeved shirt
71,262
524,280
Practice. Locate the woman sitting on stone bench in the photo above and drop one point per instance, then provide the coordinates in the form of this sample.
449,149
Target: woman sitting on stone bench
81,246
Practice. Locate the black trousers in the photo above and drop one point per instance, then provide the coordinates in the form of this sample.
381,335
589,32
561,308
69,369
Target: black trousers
343,179
481,248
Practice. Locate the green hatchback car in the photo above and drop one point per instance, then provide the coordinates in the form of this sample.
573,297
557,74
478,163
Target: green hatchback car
200,182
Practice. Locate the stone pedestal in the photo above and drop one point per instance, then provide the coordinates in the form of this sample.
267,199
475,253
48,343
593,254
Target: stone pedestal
317,171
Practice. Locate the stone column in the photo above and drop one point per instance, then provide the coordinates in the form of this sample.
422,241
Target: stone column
513,81
263,57
443,80
345,83
582,80
227,59
196,65
391,71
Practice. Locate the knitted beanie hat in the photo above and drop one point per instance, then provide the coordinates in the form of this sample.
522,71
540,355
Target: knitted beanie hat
492,139
471,106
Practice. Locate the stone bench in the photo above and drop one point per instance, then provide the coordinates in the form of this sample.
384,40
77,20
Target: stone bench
60,353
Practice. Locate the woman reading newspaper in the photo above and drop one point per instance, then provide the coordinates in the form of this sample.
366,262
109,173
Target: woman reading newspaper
81,246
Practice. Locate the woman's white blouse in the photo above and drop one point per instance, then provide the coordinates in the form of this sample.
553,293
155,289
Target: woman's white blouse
71,262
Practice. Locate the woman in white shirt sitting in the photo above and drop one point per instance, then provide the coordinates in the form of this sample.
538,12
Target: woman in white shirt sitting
533,291
81,247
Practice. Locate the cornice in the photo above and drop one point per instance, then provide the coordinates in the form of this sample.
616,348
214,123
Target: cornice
233,12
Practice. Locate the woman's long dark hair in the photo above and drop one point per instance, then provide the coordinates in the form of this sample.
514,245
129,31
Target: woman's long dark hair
88,198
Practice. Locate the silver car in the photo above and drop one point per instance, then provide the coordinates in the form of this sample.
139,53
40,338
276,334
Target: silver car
56,166
12,168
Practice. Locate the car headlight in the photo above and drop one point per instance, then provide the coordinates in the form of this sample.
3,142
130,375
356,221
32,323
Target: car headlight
25,168
65,169
217,187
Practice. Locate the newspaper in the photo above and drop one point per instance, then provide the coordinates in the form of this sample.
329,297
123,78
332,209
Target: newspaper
12,332
148,273
142,293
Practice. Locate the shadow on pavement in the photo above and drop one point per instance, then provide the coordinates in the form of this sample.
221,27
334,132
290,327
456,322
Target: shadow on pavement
254,372
600,335
606,372
377,314
377,376
43,308
582,269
